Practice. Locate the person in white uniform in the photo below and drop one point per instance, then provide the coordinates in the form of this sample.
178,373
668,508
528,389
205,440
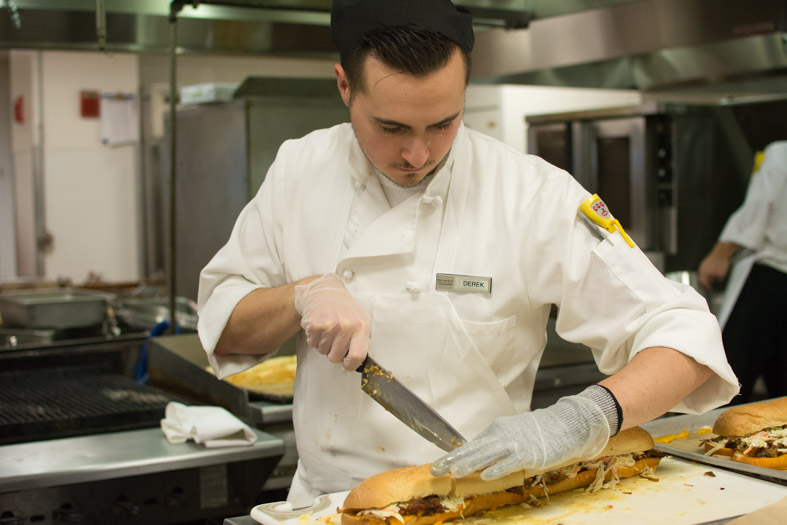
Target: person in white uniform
356,234
752,252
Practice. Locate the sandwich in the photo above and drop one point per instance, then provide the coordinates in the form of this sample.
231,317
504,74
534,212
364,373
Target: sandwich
755,434
413,496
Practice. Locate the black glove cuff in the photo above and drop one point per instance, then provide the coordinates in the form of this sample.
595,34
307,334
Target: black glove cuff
608,404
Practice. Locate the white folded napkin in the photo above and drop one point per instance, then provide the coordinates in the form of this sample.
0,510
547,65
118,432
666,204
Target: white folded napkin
210,426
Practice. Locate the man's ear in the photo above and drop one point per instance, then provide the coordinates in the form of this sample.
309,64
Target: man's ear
342,84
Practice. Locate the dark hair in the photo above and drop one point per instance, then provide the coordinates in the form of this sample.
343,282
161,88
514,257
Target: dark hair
411,49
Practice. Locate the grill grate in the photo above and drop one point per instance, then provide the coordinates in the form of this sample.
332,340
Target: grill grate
51,405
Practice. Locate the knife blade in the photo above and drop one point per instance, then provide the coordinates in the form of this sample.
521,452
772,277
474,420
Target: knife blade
379,384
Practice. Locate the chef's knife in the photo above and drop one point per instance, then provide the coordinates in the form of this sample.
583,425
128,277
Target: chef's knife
380,385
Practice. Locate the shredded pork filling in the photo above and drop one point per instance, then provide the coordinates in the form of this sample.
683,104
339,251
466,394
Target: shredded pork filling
767,443
421,506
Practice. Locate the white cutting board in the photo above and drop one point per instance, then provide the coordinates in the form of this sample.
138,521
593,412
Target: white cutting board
684,494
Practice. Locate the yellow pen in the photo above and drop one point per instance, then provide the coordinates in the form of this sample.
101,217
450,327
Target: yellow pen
595,210
758,158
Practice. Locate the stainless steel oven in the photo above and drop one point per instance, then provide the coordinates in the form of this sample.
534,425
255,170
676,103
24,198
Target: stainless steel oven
670,174
611,155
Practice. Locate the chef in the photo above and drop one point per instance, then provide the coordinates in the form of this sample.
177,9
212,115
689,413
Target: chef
752,314
440,252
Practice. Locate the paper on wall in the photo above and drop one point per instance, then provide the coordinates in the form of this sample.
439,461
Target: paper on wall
119,120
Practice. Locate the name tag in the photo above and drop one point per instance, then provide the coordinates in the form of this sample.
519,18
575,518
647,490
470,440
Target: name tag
449,282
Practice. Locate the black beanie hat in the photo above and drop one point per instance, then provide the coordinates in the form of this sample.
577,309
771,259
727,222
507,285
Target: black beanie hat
350,19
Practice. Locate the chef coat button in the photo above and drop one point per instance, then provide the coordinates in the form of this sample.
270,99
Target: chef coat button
348,274
434,201
412,287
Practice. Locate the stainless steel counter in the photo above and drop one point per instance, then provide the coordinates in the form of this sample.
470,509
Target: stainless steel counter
241,520
132,477
115,455
277,418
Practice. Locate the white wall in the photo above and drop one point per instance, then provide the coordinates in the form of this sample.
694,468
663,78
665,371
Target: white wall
483,111
90,202
23,82
90,190
7,218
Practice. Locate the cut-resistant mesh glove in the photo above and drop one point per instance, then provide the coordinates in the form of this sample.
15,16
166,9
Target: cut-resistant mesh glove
333,321
576,426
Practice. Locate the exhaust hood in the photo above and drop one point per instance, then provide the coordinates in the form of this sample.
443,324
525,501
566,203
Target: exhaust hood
258,27
734,48
737,47
142,26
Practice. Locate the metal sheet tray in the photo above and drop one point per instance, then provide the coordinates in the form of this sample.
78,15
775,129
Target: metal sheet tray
145,313
56,308
13,337
689,448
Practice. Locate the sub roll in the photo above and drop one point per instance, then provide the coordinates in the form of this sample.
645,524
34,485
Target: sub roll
755,434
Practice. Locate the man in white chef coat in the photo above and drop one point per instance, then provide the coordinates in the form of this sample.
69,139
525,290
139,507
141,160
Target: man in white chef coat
753,312
360,240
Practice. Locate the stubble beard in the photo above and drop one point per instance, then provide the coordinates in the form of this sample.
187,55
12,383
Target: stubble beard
409,177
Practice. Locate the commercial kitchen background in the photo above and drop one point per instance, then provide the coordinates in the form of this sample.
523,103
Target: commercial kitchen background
678,103
74,207
90,193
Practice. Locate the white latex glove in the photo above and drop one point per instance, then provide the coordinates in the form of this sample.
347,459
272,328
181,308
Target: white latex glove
334,323
574,427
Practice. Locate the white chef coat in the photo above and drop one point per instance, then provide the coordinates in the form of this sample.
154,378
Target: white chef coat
759,225
488,212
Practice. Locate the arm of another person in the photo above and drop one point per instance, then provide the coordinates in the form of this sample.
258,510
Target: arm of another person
715,266
653,382
747,226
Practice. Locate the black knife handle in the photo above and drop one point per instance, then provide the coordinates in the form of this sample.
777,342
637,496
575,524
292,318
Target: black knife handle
364,364
367,362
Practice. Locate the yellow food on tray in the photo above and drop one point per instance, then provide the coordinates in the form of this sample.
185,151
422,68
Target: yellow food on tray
671,437
274,376
682,435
